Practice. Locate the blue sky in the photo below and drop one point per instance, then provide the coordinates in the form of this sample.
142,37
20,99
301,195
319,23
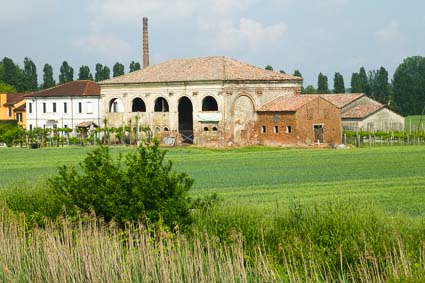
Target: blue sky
313,36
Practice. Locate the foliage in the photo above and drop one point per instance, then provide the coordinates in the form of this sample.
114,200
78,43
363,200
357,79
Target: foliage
66,73
378,85
85,74
269,68
409,86
30,75
118,70
6,88
297,73
322,84
48,80
102,73
339,86
365,84
11,74
356,83
309,90
134,66
144,188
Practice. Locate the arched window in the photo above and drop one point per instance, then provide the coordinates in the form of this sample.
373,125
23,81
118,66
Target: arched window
209,104
161,105
138,105
115,105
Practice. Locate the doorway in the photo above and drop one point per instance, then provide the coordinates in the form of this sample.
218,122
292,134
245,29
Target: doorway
318,133
185,120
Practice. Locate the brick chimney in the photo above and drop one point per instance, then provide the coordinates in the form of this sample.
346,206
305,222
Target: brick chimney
145,43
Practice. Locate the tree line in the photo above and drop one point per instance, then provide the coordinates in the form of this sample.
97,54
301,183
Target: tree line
15,79
404,94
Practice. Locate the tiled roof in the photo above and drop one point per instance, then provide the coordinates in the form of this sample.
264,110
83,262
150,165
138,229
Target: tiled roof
86,124
362,111
21,108
340,99
287,103
216,68
13,98
75,88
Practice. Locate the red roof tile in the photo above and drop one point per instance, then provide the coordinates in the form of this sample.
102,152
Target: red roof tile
362,111
339,99
13,98
75,88
287,103
215,68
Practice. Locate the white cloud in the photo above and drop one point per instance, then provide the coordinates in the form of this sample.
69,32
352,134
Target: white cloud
19,12
247,34
390,33
108,46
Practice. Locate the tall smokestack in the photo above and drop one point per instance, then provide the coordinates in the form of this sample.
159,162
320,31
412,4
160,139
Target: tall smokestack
145,43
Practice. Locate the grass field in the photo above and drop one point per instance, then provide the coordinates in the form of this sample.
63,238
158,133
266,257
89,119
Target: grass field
413,123
392,178
288,215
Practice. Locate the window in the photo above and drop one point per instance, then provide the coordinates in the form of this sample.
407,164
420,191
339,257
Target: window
165,129
30,127
10,111
65,107
80,107
138,105
205,129
30,107
214,129
161,105
276,129
288,129
89,106
54,107
263,129
65,126
19,117
209,104
275,117
44,107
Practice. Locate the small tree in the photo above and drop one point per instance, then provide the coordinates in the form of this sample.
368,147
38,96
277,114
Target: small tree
143,189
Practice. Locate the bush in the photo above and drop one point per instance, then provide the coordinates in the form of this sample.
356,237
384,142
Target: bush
143,189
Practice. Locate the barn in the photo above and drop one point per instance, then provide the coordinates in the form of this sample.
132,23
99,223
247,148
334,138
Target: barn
301,120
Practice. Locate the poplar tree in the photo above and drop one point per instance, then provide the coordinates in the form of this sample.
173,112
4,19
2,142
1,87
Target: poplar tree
30,75
118,70
134,66
322,84
339,86
66,73
85,73
356,83
48,80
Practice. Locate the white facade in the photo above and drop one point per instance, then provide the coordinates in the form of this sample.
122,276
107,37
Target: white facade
62,112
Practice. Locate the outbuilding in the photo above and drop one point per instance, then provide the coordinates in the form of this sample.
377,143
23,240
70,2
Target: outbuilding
299,120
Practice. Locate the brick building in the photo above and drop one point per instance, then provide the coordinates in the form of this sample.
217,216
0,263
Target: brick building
300,120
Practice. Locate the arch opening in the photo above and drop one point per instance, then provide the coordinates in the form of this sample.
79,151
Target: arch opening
185,109
209,104
138,105
115,105
161,105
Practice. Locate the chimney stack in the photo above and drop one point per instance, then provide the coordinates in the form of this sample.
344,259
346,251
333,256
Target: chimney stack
145,43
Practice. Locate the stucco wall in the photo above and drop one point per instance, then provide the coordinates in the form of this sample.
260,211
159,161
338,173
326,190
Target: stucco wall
383,120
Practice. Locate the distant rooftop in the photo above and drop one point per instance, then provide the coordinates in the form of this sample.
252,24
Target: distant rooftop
287,103
216,68
339,99
75,88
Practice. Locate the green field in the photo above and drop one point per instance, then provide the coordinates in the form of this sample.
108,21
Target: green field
293,215
392,178
414,123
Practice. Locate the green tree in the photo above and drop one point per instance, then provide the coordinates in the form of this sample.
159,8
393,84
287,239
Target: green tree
12,75
409,86
364,80
339,86
66,73
356,83
134,66
84,73
269,67
309,90
48,80
30,75
118,70
322,84
297,73
143,189
5,88
102,73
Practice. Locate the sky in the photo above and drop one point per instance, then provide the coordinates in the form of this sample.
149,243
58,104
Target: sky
312,36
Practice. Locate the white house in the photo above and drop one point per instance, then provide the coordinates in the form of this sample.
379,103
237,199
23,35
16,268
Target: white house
69,105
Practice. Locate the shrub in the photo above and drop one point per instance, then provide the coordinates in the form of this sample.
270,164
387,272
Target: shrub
144,188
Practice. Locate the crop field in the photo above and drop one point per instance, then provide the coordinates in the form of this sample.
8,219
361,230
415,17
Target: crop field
391,178
285,215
